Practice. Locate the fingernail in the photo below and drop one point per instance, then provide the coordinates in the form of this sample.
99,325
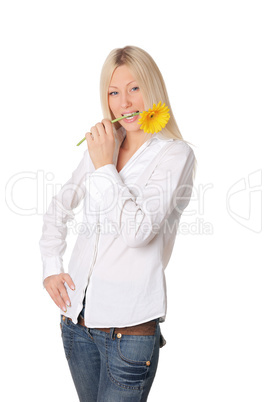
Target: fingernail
72,287
68,303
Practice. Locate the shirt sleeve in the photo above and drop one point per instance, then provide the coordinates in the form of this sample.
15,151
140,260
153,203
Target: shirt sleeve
53,240
139,212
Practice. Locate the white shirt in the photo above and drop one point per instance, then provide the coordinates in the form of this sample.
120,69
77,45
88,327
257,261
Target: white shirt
128,232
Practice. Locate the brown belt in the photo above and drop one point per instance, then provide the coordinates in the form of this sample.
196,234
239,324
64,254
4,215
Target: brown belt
147,328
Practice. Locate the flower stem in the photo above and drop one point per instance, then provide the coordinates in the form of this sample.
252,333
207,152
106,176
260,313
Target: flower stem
114,121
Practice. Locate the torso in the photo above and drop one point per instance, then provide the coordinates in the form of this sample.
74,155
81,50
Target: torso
123,158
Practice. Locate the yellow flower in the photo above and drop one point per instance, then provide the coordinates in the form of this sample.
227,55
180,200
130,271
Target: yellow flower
154,119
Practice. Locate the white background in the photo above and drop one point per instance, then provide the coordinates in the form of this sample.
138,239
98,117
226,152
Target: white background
213,57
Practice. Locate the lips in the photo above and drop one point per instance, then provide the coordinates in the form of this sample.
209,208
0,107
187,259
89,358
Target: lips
132,117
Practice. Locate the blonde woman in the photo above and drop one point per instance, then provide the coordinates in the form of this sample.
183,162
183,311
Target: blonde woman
134,188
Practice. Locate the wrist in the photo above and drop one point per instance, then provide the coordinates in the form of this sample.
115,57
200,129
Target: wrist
97,166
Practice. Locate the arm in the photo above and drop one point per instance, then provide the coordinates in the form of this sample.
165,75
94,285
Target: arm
53,240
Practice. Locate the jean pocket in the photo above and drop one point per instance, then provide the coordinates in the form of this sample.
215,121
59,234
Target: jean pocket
136,350
130,359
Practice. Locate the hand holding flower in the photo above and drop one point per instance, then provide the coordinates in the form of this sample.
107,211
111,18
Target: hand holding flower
101,143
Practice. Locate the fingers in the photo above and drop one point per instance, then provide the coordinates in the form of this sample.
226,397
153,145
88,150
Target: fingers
69,281
108,126
88,137
99,131
55,286
60,297
101,143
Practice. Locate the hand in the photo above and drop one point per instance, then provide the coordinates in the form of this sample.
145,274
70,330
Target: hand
101,144
55,286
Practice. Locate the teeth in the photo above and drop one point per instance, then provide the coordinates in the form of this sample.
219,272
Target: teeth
128,114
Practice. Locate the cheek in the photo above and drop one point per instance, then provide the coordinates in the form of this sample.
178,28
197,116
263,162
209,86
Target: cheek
113,105
141,101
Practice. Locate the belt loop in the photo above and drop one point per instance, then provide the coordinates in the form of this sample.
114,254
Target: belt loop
112,333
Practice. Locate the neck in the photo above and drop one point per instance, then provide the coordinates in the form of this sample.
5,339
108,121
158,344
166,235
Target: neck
134,139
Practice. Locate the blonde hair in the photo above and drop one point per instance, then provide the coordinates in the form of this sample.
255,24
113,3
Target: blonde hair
150,81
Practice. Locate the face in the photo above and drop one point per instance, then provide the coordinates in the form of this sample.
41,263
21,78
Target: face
125,97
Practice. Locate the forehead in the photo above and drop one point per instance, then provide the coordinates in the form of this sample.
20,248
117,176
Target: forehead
122,75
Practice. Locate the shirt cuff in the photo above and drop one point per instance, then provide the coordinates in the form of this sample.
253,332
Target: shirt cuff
102,179
52,266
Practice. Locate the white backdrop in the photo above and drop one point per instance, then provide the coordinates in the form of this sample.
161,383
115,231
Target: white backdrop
213,57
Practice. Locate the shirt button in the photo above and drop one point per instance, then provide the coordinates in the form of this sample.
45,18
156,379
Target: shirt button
119,336
148,363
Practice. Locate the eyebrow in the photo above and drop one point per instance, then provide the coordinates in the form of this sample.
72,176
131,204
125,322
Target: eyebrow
112,86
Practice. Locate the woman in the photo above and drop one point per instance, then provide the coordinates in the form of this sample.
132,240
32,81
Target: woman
134,187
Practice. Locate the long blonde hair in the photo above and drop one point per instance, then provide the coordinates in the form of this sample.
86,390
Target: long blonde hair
150,81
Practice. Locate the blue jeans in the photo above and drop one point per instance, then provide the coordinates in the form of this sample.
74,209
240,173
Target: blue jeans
106,368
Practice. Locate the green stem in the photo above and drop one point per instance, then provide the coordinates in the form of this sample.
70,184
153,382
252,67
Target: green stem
113,121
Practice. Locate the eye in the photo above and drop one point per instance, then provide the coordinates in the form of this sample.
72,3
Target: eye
135,88
113,93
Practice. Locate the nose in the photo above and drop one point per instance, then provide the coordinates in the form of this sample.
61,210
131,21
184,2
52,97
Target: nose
125,100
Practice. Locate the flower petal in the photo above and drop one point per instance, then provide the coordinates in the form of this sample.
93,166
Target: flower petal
153,120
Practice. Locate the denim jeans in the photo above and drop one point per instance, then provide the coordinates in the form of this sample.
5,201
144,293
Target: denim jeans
107,368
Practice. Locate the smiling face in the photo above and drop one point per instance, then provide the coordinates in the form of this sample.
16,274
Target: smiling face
125,97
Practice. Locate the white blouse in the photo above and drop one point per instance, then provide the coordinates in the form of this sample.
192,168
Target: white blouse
130,222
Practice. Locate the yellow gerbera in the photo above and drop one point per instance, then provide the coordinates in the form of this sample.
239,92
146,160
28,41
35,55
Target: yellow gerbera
154,119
